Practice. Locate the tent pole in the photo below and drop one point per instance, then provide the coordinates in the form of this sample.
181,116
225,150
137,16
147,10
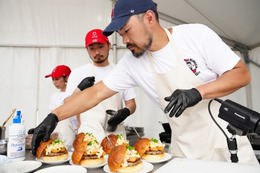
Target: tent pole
114,39
244,53
38,88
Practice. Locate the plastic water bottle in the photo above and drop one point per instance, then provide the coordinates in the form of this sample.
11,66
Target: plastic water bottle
16,141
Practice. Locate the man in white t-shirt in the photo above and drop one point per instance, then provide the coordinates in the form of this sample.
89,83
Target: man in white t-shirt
180,69
94,120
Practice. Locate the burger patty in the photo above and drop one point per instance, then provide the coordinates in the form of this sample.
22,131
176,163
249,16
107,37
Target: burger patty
90,157
134,163
57,154
153,152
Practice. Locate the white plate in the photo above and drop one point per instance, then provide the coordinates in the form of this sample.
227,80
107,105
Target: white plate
95,166
167,157
63,169
147,168
20,166
56,162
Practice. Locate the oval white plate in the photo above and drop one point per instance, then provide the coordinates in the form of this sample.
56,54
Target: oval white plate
147,168
63,169
167,157
95,166
20,166
56,162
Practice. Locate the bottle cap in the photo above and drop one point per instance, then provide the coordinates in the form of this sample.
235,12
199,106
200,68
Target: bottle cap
17,119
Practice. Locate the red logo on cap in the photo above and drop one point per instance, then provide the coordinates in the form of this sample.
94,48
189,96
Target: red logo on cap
112,13
94,35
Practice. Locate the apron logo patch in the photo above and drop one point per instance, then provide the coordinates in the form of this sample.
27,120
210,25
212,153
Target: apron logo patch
192,65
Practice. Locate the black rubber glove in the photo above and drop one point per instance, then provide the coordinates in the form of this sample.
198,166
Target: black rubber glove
31,131
121,115
180,100
43,131
87,82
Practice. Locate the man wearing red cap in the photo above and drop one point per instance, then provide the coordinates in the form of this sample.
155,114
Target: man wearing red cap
93,120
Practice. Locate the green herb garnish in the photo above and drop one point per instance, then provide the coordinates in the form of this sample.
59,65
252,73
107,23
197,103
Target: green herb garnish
154,140
93,142
119,136
130,148
89,134
56,141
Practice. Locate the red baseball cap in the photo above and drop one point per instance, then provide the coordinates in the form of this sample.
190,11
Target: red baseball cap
59,71
95,36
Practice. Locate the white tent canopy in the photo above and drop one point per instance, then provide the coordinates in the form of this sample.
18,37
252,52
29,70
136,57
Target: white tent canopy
236,20
38,35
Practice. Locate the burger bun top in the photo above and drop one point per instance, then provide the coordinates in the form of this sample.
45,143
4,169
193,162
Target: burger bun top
41,148
79,148
142,145
116,157
106,144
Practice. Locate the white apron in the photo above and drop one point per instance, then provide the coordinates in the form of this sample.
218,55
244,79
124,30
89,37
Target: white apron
93,120
194,134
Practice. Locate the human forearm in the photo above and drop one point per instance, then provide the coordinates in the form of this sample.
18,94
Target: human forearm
123,113
83,101
226,84
130,104
76,92
229,82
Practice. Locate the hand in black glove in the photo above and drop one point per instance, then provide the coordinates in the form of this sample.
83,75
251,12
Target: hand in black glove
87,82
43,131
180,100
121,115
31,131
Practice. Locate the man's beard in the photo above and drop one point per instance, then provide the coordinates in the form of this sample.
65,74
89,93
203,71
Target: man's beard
143,49
100,61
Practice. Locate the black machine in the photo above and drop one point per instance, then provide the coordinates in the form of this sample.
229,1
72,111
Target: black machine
241,119
167,134
241,122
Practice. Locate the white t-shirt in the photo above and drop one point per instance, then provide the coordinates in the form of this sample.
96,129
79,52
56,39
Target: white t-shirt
56,99
100,73
202,49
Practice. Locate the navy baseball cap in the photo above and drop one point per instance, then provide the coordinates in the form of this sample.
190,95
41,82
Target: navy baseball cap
123,10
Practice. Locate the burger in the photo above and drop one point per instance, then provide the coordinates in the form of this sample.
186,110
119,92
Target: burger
115,141
87,150
150,149
124,159
52,150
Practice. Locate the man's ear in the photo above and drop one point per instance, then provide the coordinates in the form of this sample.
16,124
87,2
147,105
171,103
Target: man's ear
150,17
66,78
109,45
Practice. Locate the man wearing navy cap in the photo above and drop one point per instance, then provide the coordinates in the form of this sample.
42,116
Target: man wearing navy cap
180,69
